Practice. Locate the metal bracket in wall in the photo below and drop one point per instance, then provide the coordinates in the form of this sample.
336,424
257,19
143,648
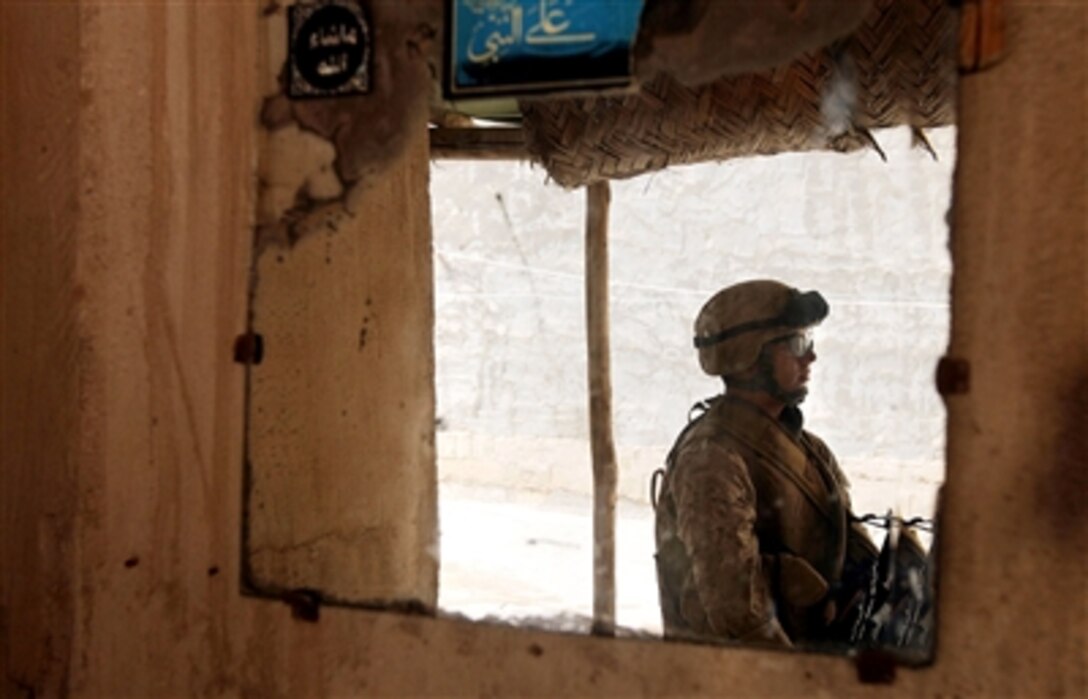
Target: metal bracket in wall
875,667
305,604
953,376
249,348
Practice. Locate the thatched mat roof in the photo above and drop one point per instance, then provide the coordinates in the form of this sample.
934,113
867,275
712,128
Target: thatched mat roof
898,69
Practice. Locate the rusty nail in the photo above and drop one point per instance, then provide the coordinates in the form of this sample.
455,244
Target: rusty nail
305,604
953,376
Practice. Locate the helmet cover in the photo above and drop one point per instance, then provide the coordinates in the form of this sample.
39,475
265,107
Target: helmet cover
736,322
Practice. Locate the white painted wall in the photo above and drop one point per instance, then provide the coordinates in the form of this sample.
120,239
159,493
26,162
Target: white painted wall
871,236
514,457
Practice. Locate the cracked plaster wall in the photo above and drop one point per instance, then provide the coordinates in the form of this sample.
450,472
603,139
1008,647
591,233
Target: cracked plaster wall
124,280
344,311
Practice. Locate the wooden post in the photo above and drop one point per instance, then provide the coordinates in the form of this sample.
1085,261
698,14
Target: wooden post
598,196
478,144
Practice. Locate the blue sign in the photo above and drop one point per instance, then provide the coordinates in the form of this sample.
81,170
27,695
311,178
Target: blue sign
511,47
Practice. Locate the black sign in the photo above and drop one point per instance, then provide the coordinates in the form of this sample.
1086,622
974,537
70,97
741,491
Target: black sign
329,53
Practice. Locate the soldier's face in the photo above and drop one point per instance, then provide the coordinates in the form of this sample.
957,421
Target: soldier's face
790,361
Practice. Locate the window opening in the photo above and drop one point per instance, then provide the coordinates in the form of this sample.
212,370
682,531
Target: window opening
512,435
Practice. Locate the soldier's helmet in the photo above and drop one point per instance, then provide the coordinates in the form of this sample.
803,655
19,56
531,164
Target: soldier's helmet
736,322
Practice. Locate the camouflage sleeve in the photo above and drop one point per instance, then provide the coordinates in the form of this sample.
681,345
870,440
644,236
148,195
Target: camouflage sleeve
716,511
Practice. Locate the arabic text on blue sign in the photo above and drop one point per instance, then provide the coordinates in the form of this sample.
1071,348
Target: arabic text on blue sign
510,46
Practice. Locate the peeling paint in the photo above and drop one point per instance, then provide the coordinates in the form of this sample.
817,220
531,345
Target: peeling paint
296,173
315,152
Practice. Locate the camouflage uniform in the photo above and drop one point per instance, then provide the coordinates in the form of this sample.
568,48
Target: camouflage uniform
753,532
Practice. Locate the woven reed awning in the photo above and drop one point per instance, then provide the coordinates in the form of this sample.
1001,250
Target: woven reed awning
898,69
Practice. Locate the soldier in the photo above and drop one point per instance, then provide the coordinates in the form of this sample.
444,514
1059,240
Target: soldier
755,541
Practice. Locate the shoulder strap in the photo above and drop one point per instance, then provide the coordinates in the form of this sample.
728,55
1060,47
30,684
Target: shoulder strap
772,460
695,414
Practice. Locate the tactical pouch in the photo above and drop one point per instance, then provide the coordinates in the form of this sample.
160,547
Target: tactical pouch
794,578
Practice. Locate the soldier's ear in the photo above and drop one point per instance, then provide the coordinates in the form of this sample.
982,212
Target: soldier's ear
741,377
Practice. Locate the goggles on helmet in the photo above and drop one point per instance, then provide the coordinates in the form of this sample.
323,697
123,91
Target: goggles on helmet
798,344
804,309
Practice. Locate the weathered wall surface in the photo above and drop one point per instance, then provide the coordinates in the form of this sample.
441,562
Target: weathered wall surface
39,348
344,311
345,315
124,279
